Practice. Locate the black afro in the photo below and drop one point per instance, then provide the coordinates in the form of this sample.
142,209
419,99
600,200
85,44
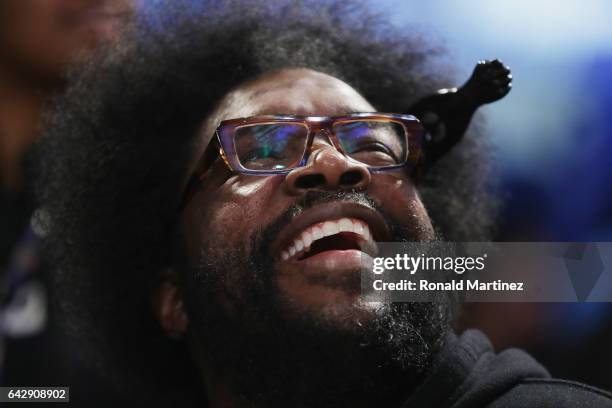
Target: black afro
119,140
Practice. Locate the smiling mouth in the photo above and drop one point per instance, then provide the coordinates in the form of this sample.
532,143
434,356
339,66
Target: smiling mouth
343,234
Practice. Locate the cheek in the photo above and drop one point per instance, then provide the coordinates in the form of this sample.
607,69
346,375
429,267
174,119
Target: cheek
399,197
226,217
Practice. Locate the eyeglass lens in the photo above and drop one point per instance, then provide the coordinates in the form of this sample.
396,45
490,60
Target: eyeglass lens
280,146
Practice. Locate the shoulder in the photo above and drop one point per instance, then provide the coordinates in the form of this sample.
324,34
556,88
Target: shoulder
546,392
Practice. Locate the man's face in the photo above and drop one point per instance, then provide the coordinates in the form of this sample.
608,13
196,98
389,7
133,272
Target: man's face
243,280
231,211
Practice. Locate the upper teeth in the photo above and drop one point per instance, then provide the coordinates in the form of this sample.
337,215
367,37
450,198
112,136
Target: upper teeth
301,244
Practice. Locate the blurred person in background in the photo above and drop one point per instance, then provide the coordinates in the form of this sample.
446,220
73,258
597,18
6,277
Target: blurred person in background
38,40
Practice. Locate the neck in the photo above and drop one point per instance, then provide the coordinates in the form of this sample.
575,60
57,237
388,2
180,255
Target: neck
20,107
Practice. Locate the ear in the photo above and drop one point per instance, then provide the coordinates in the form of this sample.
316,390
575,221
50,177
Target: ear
168,305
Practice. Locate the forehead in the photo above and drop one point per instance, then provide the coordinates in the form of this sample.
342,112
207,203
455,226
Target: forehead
295,91
289,91
299,92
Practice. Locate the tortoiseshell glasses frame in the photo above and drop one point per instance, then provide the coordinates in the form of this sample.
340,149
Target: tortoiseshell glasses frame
301,130
227,129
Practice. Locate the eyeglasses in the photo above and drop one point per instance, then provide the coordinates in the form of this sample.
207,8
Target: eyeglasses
270,144
267,145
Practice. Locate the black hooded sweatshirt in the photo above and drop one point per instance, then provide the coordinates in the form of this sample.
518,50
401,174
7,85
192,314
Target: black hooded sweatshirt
469,374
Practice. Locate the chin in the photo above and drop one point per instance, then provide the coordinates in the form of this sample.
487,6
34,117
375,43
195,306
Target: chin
337,306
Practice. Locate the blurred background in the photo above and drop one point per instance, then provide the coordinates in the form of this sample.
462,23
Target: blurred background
552,134
38,41
553,137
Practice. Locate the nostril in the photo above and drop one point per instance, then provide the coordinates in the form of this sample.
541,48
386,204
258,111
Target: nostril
350,178
310,181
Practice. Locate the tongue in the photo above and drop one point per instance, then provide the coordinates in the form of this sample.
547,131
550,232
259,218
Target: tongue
339,242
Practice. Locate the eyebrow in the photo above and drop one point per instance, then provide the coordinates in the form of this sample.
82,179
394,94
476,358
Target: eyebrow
342,109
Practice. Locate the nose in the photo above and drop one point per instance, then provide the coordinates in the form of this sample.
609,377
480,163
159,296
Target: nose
327,169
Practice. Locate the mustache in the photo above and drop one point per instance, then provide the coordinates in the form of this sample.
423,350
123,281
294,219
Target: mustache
311,199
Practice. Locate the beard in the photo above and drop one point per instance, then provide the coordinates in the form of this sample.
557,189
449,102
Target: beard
246,333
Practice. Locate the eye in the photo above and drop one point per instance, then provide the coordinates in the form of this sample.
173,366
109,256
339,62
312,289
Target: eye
263,158
372,147
375,143
369,149
267,146
262,153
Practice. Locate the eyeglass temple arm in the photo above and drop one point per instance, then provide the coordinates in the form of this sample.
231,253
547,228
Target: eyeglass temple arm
447,114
